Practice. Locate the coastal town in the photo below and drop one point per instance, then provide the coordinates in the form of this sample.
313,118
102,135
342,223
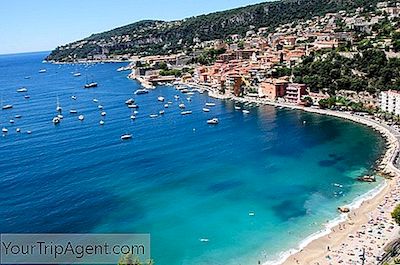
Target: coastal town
261,64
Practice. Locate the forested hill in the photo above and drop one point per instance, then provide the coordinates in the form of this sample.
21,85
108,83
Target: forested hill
160,37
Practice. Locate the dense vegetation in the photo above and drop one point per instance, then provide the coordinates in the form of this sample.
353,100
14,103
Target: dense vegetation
369,70
158,37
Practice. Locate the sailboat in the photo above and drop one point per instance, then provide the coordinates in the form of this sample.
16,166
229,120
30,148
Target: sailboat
58,108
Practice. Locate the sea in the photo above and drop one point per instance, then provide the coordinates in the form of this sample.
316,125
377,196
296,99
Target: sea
245,191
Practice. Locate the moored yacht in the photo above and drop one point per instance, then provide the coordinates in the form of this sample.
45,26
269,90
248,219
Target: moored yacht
4,130
206,110
56,120
22,90
186,112
90,85
210,104
81,117
126,137
213,121
182,106
73,111
161,99
141,91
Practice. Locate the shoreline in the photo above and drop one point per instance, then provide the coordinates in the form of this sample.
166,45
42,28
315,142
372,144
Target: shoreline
338,235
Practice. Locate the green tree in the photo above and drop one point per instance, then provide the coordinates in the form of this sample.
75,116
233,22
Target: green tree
396,214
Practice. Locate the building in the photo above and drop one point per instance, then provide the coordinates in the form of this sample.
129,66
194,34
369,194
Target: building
272,88
390,101
294,92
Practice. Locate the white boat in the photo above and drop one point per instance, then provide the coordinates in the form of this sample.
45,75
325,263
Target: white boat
245,111
204,240
95,100
161,112
12,121
130,101
56,120
153,115
141,91
22,90
133,117
27,77
73,111
18,130
81,117
176,97
210,104
27,97
133,106
60,116
213,121
4,130
166,106
206,110
238,108
58,108
189,99
102,122
42,71
100,107
126,137
252,213
161,99
90,85
103,113
73,97
182,106
29,132
18,116
190,93
135,112
186,112
77,74
7,107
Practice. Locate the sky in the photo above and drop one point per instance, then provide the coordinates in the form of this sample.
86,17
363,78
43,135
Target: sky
42,25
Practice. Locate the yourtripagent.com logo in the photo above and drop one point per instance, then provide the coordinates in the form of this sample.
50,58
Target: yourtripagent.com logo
73,248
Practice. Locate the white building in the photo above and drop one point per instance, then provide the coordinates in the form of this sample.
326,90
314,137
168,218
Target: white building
390,101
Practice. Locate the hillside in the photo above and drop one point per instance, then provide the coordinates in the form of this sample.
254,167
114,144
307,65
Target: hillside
161,37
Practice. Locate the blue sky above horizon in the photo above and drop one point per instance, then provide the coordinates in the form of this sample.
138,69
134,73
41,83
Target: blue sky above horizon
28,25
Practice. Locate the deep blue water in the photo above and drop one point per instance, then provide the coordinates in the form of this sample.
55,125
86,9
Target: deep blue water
178,178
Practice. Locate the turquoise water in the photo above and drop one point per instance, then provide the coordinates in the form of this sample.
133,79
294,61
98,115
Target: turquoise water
178,179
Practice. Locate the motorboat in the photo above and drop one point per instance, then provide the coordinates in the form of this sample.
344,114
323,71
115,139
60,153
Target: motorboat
95,100
182,106
60,116
210,104
245,111
18,116
4,130
126,137
141,91
81,117
103,113
22,90
100,107
91,85
42,71
7,107
186,112
133,106
27,97
238,108
12,121
213,121
56,120
130,101
161,99
133,117
153,115
166,106
18,130
73,97
176,97
161,112
206,110
77,74
73,111
102,122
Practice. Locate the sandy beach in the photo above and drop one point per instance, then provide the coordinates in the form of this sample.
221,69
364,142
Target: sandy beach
367,228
